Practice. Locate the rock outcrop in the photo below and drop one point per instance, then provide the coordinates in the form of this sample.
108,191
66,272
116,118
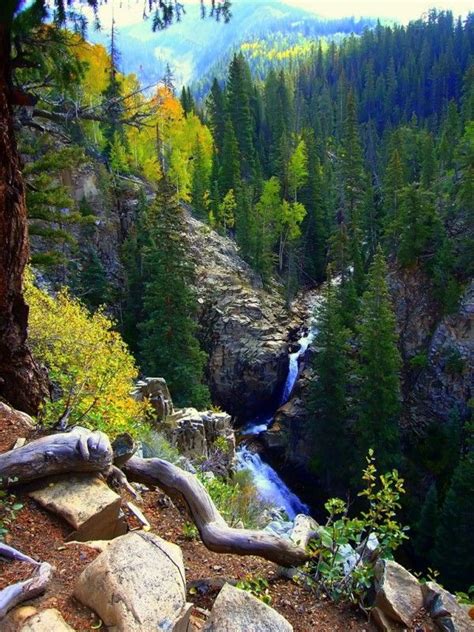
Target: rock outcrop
444,386
194,433
236,610
86,503
156,392
243,327
137,584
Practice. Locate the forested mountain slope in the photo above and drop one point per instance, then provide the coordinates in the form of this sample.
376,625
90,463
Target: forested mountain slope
192,47
196,225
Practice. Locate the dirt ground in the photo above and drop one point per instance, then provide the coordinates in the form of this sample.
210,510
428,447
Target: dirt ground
42,535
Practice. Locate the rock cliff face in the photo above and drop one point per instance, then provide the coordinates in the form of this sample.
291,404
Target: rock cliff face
243,327
438,356
444,386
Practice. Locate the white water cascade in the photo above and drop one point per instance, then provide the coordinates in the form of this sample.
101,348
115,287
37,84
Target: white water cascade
269,485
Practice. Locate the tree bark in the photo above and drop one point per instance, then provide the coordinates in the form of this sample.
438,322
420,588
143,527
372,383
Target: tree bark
77,451
22,383
213,529
14,594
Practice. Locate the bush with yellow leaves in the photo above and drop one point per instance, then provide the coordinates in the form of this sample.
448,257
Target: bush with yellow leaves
89,365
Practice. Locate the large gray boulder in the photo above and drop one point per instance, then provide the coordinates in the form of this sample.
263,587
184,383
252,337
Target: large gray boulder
137,585
86,503
236,610
399,594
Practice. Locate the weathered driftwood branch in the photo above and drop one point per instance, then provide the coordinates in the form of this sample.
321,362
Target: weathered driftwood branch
30,588
214,531
78,451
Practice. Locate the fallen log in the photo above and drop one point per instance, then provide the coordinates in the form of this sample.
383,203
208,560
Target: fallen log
78,451
30,588
216,535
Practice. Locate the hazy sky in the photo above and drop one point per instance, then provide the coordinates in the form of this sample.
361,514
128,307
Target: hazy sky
129,11
400,10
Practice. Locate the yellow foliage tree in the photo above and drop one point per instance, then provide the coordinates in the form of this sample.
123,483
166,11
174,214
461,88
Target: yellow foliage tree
88,362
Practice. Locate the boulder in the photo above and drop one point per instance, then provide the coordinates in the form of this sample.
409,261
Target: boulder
137,585
398,592
445,611
384,623
236,610
46,621
13,425
155,390
87,504
193,433
304,528
187,433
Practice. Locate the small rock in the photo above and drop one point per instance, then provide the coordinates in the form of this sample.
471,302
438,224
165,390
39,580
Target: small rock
87,504
46,621
236,610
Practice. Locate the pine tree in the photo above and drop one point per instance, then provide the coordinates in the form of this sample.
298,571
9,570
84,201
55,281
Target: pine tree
200,182
394,181
93,286
217,115
341,255
238,107
352,164
428,165
225,218
417,229
113,128
329,402
187,101
454,546
379,370
314,228
229,176
169,347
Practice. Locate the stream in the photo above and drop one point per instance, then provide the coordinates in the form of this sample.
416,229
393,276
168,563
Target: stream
271,488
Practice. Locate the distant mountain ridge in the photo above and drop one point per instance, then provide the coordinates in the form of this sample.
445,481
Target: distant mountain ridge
193,46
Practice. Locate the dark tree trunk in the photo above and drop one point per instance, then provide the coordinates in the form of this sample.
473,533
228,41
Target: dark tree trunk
22,383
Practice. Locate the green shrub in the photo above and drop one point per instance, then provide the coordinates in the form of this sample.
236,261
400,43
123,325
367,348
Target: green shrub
156,445
419,361
8,510
89,364
256,586
236,498
454,362
342,534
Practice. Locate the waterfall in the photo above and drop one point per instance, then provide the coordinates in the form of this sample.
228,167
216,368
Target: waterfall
269,485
